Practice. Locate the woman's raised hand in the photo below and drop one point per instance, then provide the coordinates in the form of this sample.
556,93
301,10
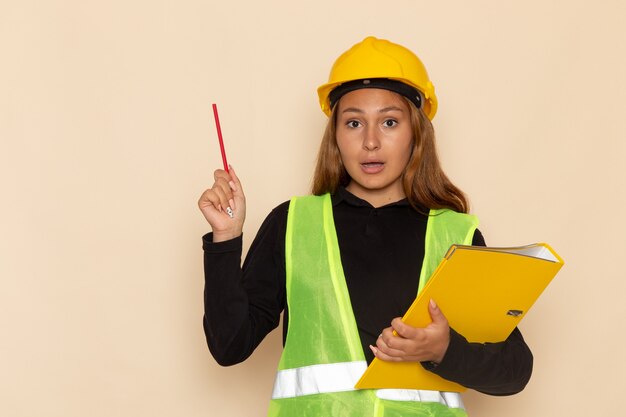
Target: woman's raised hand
224,197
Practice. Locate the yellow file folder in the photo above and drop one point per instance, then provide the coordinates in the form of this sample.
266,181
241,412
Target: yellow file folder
483,292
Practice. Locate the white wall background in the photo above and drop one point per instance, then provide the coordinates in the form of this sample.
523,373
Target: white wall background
107,140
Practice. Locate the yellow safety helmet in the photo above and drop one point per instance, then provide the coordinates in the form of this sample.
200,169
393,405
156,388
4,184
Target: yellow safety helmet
371,63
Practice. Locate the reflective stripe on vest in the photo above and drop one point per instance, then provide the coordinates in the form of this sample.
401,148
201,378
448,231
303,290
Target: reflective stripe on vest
323,357
318,379
449,399
339,377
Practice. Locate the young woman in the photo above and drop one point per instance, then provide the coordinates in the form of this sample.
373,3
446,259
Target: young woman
345,263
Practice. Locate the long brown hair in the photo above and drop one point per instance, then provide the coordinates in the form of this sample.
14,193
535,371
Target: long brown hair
425,184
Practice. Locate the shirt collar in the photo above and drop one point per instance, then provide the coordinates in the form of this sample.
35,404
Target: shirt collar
344,196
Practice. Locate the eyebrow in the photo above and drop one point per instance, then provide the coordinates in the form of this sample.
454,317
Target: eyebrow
383,110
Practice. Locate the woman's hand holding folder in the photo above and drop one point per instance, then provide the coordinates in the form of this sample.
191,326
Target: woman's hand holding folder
404,343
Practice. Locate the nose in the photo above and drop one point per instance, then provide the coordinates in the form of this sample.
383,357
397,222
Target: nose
371,140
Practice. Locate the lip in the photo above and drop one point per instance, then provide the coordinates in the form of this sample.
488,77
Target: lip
372,167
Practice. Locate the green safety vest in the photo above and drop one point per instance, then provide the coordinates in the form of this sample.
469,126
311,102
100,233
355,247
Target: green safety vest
323,359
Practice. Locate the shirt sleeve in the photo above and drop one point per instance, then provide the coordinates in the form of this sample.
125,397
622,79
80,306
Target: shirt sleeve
492,368
243,304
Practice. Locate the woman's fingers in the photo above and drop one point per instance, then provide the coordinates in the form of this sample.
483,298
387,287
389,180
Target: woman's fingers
230,189
223,206
217,197
227,190
223,193
387,346
402,342
239,197
210,200
236,184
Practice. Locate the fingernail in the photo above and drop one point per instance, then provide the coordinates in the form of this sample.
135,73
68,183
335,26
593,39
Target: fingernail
232,203
374,350
232,185
229,211
433,304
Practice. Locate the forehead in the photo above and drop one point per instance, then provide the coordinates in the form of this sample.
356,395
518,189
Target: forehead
371,98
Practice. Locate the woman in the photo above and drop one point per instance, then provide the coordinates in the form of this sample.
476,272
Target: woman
345,263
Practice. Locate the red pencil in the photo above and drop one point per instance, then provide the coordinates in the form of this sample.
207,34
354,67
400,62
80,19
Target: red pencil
219,136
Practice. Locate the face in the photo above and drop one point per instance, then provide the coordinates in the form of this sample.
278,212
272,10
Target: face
375,138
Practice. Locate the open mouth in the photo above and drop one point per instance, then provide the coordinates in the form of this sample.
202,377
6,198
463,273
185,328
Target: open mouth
372,167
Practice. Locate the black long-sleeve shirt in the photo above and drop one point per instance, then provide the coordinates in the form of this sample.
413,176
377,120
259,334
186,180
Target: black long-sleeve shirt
382,250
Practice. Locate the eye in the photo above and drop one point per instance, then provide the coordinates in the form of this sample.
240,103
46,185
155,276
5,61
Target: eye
390,123
353,124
